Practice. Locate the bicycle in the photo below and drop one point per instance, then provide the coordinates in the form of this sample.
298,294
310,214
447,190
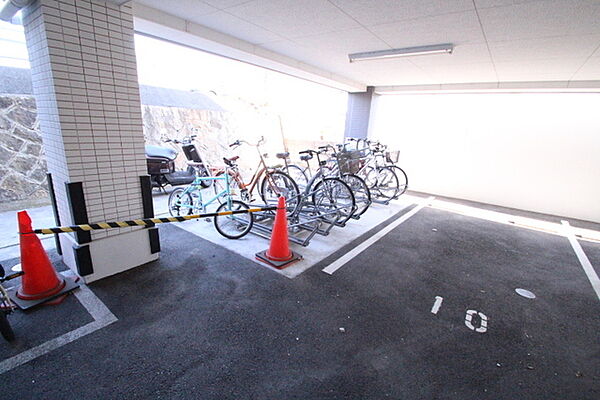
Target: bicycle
270,182
189,201
381,180
361,191
6,305
330,198
384,158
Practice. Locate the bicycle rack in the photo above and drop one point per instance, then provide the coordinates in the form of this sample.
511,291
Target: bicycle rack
302,226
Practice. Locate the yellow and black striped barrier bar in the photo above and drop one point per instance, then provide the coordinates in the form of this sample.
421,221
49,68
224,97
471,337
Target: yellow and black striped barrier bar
142,222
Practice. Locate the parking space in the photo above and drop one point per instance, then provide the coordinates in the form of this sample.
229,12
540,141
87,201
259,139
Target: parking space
430,172
205,320
592,251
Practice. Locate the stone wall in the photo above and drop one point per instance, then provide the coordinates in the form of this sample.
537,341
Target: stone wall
23,168
215,130
22,164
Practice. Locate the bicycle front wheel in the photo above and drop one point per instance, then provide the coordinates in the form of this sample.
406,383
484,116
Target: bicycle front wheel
180,203
402,180
233,226
333,199
362,194
387,183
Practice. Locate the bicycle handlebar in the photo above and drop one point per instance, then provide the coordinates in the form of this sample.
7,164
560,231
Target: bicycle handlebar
12,276
185,140
308,152
239,142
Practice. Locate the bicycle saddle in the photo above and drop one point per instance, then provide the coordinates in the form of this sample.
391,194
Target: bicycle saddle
230,161
306,157
282,155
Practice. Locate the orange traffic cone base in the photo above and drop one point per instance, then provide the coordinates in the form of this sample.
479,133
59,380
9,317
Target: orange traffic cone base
40,282
279,264
279,254
24,304
41,295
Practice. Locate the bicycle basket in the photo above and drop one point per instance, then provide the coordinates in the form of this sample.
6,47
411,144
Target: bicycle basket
392,156
349,161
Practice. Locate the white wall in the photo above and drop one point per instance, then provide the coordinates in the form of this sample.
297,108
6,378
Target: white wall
537,152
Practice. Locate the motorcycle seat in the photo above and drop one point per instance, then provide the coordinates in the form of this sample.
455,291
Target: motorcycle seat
162,152
282,155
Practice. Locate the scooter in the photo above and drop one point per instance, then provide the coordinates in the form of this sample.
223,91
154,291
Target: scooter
161,164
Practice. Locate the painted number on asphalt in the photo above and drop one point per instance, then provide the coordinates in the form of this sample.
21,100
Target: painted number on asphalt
469,321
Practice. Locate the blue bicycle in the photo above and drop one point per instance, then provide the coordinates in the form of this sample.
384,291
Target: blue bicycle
189,201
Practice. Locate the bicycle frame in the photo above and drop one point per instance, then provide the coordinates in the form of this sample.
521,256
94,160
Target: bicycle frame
196,187
259,171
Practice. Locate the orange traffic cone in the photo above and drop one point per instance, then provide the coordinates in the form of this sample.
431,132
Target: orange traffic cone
279,254
40,281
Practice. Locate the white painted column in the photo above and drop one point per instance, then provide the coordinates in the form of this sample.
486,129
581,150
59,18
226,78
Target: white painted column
85,81
358,114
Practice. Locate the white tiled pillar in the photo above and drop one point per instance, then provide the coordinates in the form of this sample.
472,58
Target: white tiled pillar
85,80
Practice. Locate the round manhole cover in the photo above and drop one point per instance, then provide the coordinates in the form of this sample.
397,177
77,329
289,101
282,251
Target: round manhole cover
525,293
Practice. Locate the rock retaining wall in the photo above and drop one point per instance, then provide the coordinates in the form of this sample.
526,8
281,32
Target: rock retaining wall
22,163
23,168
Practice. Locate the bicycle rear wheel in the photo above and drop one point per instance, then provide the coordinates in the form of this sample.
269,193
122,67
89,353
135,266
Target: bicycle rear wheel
180,203
362,194
387,183
369,175
235,192
277,184
297,174
333,199
233,226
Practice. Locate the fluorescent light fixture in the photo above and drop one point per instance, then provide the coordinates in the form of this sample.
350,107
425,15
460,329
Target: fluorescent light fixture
446,48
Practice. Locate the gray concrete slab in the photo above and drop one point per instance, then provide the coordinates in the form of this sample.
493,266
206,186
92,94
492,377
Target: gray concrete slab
41,217
592,251
320,246
204,322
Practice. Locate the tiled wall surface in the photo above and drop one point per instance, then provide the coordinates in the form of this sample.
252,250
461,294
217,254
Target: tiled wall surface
85,80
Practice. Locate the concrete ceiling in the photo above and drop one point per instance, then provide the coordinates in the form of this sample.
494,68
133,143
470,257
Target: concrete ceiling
495,40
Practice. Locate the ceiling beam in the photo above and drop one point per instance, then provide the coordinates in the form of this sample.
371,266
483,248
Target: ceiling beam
495,87
155,23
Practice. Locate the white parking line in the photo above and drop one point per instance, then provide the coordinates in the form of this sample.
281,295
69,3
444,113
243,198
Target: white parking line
437,304
337,264
585,262
102,317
